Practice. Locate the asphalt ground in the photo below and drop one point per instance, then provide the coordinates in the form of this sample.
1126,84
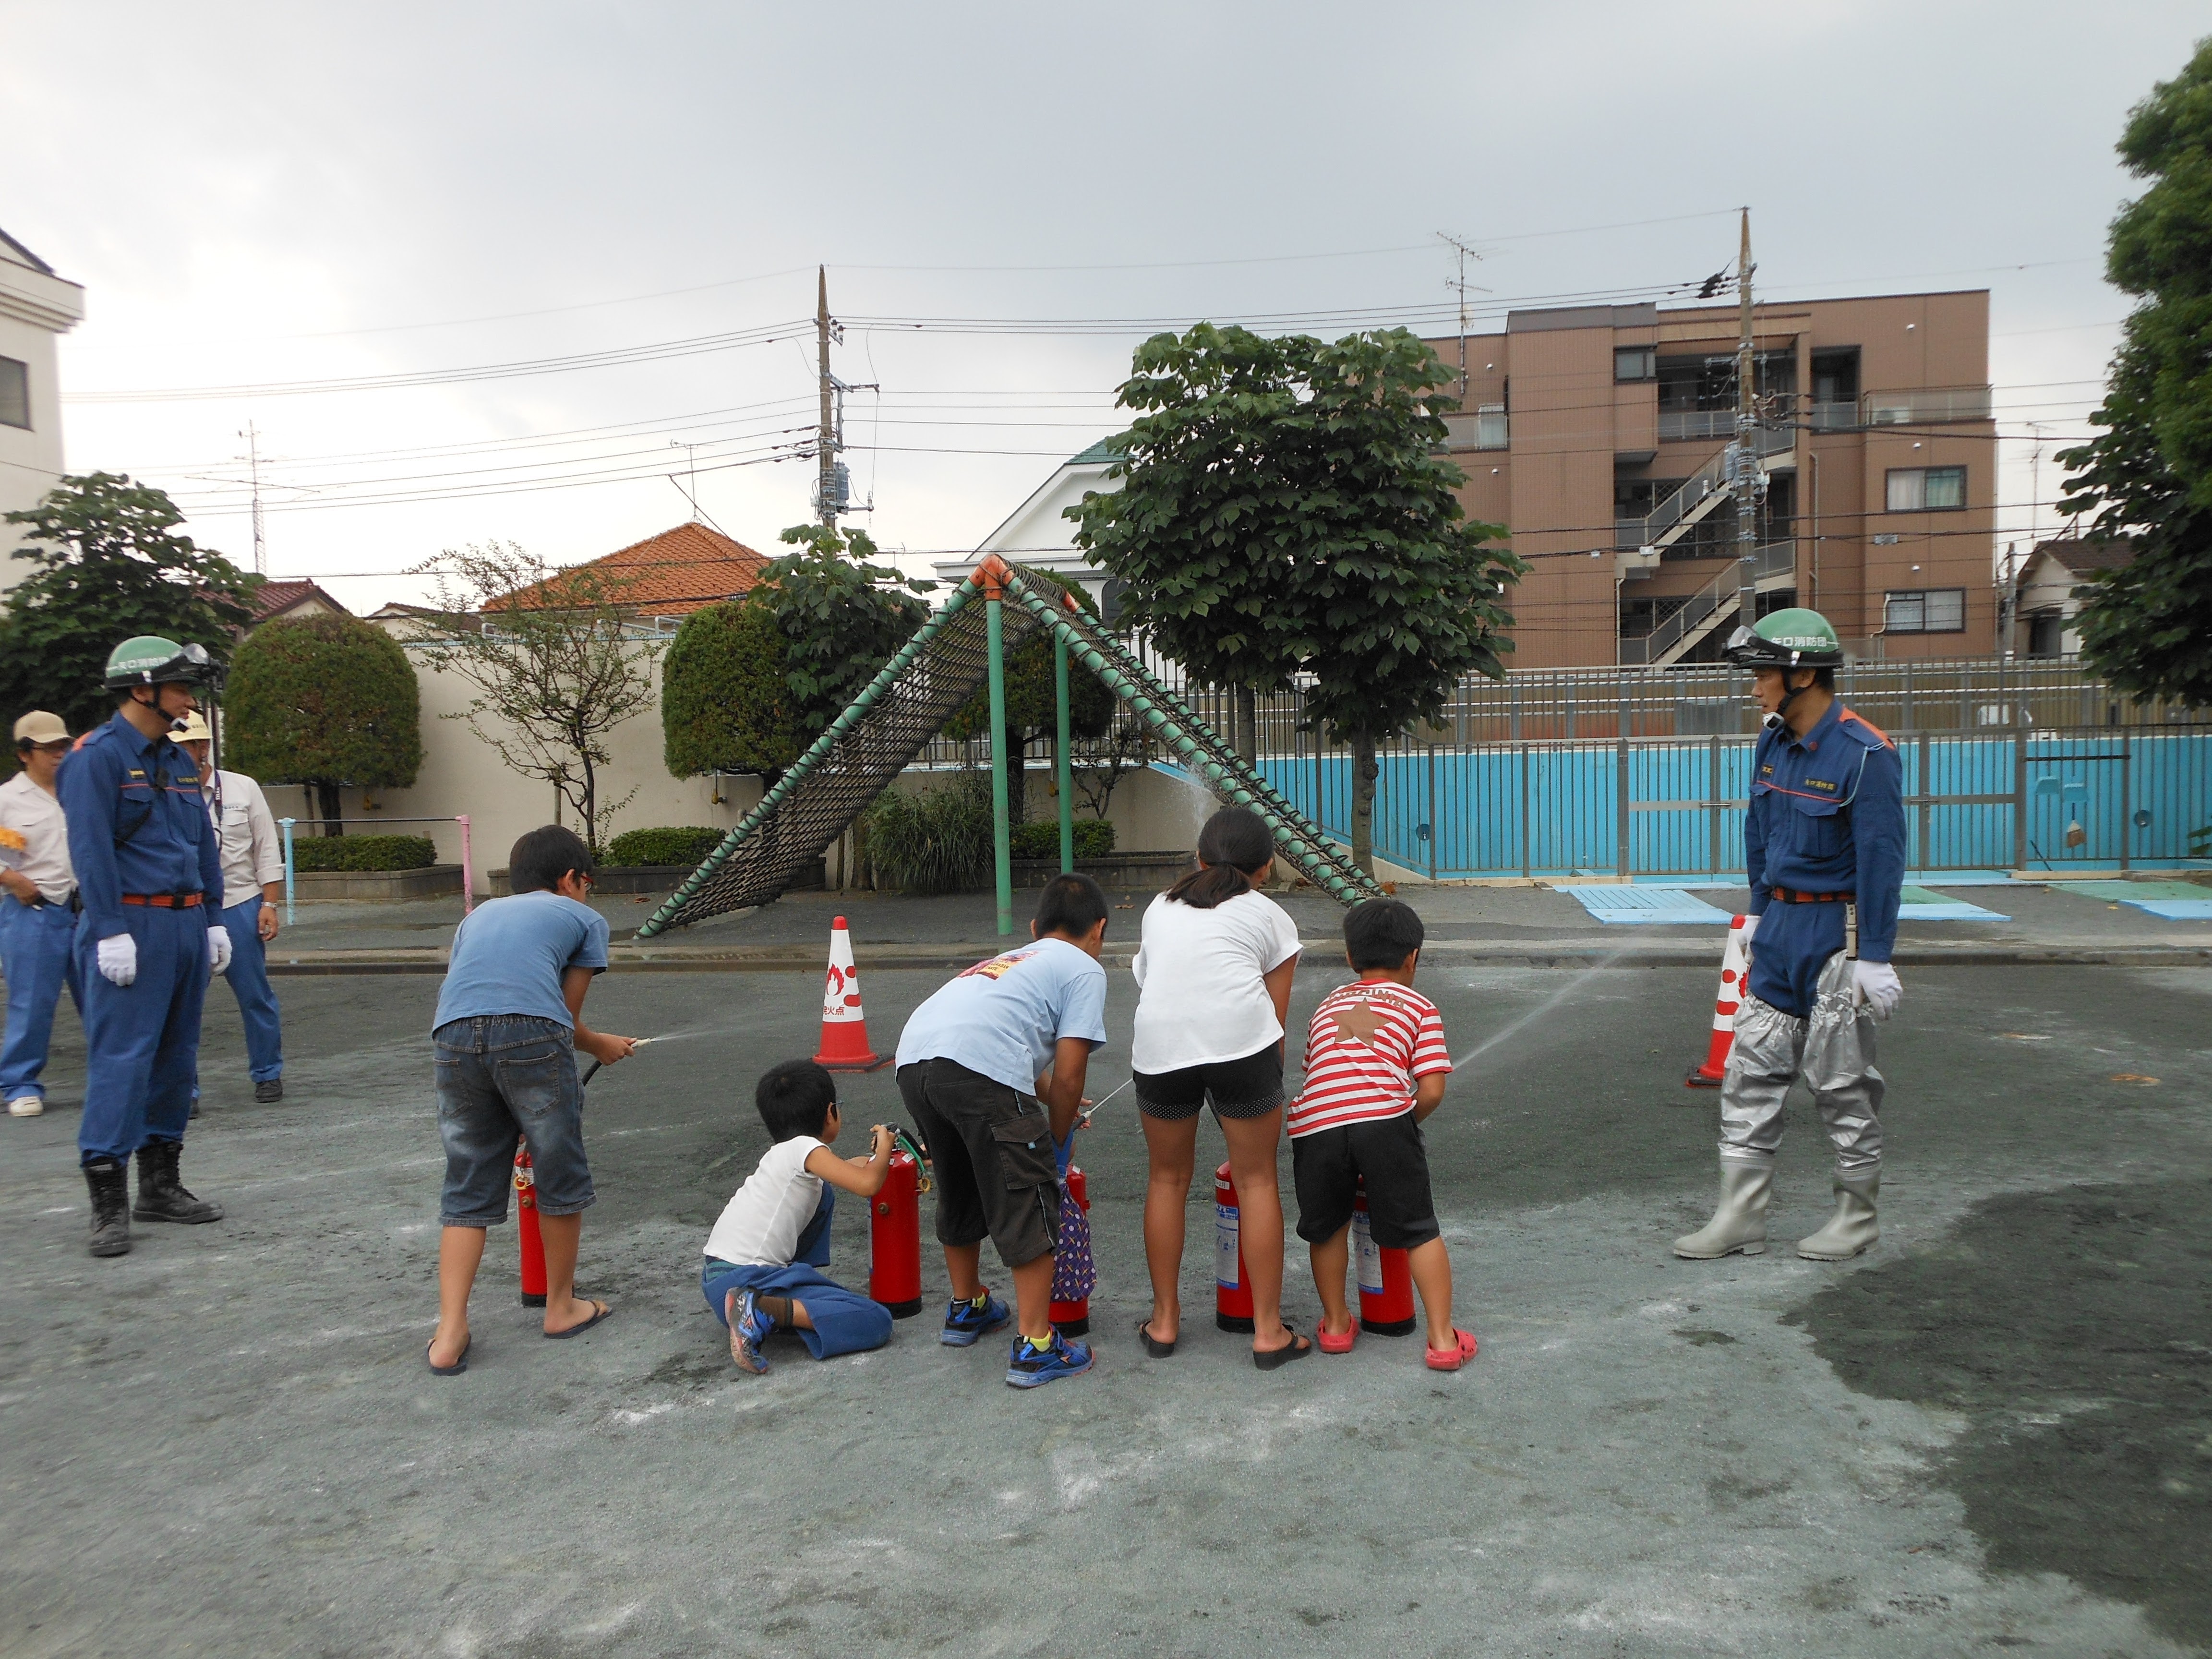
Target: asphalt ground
1994,1431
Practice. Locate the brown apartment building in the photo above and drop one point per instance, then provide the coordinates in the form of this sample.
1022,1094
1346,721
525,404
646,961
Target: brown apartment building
1596,434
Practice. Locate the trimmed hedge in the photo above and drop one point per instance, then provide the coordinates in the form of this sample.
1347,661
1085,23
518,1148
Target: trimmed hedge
686,845
360,852
1093,839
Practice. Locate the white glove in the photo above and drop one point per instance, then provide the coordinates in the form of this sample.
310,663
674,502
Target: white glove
1878,985
118,959
1750,926
219,948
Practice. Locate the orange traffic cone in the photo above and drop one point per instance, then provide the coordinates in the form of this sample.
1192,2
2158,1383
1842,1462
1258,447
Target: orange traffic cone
844,1027
1735,963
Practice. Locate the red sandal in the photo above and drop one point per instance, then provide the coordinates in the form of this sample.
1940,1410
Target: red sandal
1337,1341
1451,1359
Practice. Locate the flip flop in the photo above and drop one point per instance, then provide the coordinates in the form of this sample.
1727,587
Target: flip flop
1274,1358
1153,1345
1451,1359
573,1330
460,1360
1337,1341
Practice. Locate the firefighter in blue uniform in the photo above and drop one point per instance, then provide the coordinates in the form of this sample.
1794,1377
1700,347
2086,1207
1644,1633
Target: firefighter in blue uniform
149,874
1824,845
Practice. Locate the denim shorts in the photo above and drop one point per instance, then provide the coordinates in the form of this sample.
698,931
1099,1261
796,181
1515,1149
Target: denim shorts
502,1078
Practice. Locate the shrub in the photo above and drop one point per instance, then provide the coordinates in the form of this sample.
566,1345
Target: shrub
363,853
1093,839
326,701
687,844
936,842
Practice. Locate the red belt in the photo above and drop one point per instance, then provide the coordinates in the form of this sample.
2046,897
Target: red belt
1791,895
165,901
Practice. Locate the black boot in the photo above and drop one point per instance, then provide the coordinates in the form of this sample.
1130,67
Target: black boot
161,1196
111,1207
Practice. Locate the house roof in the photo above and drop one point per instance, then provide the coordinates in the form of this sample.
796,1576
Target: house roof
24,254
2081,557
671,575
276,598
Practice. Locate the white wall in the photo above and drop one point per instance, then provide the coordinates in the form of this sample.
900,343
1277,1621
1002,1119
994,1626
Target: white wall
35,308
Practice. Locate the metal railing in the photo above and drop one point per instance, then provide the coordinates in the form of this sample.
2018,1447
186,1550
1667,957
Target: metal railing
1774,559
1925,405
1487,428
1832,417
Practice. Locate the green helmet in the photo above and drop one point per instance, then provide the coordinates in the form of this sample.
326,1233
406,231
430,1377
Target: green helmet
1786,638
149,660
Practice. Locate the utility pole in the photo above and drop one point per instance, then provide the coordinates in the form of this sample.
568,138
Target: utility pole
1460,282
253,465
825,443
1746,444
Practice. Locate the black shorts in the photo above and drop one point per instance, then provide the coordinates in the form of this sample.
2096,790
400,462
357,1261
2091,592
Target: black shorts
990,1149
1250,1087
1388,1154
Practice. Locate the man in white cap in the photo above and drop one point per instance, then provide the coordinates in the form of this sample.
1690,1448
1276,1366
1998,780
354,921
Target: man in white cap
38,915
253,874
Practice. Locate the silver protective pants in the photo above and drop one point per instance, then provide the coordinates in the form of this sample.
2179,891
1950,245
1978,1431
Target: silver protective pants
1832,1050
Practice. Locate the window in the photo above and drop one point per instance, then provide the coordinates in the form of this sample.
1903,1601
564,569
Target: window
15,393
1933,610
1635,363
1836,376
1927,489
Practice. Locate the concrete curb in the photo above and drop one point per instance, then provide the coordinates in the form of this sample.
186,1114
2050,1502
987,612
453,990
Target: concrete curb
1575,952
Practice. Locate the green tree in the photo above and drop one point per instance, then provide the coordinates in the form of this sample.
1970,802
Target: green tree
110,564
1287,512
556,659
750,684
1033,705
2147,626
327,702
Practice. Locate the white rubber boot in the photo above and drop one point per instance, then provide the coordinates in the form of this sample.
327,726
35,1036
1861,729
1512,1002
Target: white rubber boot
1739,1226
1851,1229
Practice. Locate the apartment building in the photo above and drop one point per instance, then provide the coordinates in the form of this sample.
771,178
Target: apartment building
1597,435
35,308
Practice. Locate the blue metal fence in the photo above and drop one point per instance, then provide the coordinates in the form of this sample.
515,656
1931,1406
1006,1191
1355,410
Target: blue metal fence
1673,806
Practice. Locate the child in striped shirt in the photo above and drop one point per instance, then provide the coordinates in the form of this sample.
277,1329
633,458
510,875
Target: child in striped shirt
1376,1064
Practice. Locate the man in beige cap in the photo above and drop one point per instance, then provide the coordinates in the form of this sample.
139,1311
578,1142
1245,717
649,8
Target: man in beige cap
253,875
38,913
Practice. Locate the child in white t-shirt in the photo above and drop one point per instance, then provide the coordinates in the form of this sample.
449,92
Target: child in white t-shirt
764,1259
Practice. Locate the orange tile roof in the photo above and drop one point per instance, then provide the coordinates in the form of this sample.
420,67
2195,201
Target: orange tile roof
272,598
673,574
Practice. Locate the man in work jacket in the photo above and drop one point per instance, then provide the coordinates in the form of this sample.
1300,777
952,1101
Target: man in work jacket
150,879
1824,845
252,876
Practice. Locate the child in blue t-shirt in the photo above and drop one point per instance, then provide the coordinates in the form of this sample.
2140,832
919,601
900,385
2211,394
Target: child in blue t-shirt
991,1068
509,1022
764,1259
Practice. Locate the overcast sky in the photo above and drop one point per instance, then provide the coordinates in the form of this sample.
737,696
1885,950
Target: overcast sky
299,192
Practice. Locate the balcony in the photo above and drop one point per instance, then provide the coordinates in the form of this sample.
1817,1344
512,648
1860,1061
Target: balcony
1679,425
1832,417
1925,406
1487,428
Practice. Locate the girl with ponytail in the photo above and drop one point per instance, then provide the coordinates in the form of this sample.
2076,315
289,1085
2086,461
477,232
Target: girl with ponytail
1213,973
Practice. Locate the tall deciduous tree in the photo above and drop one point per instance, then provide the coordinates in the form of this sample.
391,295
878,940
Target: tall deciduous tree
1286,512
110,564
2147,626
556,661
750,684
328,702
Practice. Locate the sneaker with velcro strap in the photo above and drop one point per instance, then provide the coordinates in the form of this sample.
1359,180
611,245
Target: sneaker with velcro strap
1029,1367
965,1323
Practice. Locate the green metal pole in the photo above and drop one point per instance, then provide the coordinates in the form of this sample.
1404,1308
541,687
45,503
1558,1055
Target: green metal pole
1066,766
1002,837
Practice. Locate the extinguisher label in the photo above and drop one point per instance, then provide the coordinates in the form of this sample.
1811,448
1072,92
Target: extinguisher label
1224,1246
1369,1255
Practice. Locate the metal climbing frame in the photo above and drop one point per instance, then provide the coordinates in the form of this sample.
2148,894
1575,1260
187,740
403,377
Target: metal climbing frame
920,688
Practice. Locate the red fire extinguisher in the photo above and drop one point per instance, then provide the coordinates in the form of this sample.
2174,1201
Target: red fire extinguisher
532,1242
1073,1318
1385,1278
895,1239
1232,1285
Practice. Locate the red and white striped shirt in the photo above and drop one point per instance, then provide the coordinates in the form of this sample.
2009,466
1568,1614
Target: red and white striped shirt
1368,1043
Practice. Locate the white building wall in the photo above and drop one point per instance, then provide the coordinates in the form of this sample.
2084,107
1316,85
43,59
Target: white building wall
34,308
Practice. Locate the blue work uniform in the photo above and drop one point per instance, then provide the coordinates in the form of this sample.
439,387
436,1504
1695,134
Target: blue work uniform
139,831
1825,823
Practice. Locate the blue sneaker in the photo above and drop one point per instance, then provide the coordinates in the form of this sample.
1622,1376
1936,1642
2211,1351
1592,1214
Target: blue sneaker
964,1322
1032,1368
749,1327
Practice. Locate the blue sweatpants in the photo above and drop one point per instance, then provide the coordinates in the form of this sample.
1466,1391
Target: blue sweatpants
843,1322
1792,944
38,950
142,1040
248,974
